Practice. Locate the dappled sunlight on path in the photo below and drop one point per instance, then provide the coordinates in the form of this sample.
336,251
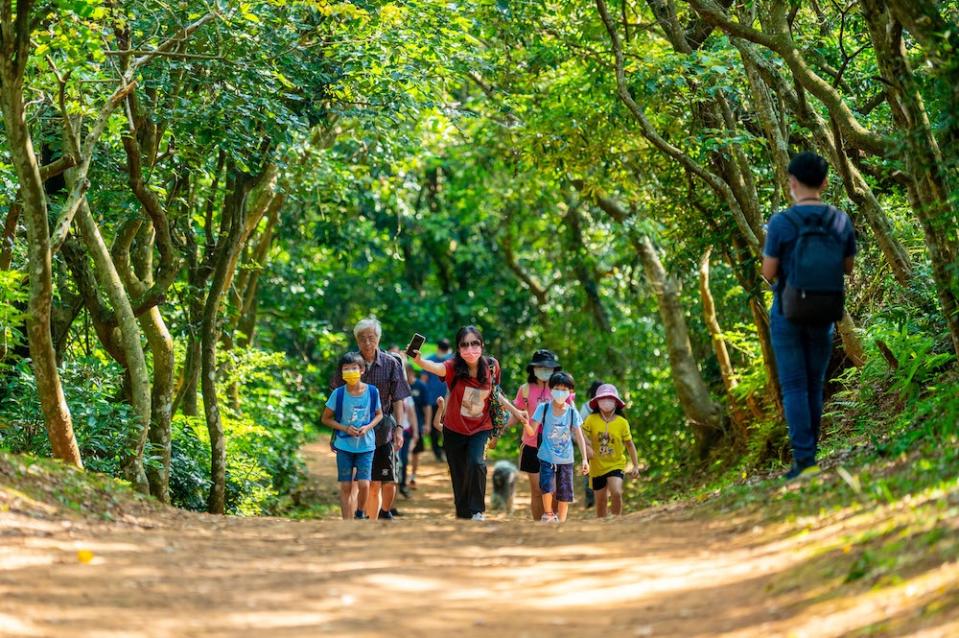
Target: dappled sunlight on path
655,573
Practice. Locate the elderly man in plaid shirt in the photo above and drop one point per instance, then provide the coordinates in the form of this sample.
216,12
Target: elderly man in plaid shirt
385,372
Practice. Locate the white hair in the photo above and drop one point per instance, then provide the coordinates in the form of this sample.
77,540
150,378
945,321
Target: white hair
367,324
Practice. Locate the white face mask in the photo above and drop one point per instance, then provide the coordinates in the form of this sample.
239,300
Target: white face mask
560,396
606,405
543,374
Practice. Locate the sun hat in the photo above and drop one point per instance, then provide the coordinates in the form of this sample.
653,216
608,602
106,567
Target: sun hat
606,391
543,359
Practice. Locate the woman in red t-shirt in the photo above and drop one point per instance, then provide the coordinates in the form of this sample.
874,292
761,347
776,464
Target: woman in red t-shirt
470,378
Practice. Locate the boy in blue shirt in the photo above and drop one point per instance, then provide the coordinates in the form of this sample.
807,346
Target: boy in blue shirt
561,425
352,411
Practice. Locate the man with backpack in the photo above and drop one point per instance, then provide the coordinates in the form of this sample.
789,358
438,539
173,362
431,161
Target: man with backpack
809,249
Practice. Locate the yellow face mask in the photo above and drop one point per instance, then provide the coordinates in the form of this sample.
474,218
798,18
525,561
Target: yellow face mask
352,376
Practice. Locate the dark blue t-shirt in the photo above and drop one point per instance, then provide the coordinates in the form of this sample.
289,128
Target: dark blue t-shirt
421,399
781,237
436,386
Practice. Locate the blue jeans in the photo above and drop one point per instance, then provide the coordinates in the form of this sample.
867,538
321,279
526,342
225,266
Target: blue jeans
802,355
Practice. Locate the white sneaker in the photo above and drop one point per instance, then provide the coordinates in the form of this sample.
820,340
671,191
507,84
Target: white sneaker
479,516
549,518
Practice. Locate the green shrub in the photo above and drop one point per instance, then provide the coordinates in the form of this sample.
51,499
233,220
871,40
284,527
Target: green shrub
100,419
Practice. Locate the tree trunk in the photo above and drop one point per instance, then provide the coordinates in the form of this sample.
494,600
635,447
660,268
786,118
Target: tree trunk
851,343
110,282
761,321
227,250
187,396
161,346
719,347
57,419
703,414
9,233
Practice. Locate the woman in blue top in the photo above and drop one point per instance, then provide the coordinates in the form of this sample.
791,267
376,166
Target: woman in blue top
353,410
561,425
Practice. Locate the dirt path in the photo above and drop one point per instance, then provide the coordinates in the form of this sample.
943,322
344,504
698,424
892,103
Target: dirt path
656,573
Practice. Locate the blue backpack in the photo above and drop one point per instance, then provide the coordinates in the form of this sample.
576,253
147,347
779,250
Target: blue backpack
814,291
338,396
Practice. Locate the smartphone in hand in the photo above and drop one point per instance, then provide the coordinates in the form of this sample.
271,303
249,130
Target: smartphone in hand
415,344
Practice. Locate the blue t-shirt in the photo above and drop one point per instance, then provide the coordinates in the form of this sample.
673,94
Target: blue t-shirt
557,444
356,412
781,236
435,386
420,394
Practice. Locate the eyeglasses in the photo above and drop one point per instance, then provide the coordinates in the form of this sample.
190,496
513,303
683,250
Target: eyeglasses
471,344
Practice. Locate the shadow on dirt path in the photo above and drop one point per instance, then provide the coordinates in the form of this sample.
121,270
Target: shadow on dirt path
654,573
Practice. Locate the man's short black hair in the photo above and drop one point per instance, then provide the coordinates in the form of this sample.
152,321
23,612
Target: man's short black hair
562,378
443,344
809,168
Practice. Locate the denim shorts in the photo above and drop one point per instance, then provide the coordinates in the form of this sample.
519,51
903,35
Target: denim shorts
557,478
346,462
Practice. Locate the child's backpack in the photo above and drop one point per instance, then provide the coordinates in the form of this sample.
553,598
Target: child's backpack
338,396
814,291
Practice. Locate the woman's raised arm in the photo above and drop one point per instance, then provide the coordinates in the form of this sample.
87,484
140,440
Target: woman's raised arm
437,368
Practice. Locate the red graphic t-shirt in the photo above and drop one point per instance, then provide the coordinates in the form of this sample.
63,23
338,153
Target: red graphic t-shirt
467,407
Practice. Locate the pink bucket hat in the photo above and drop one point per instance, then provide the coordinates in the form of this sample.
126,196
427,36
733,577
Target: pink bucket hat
606,391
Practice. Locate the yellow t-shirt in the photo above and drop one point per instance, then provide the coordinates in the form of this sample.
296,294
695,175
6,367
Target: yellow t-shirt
608,441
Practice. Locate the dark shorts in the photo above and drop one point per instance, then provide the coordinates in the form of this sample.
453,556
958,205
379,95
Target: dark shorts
384,464
599,482
528,461
557,479
419,447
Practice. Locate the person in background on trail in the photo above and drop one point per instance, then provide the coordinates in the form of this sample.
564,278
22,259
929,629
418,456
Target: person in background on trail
436,388
531,395
424,417
352,411
412,422
607,440
584,412
560,425
405,421
809,248
386,373
471,378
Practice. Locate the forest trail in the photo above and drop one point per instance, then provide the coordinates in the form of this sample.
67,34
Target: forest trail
654,573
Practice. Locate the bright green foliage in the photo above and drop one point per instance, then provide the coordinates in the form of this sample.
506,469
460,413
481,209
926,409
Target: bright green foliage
12,298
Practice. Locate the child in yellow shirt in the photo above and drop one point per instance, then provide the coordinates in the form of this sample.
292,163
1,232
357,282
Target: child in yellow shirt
607,439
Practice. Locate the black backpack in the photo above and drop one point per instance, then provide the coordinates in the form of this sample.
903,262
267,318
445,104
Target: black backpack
814,290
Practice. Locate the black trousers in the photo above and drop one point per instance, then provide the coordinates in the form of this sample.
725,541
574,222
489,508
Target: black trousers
436,441
464,454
